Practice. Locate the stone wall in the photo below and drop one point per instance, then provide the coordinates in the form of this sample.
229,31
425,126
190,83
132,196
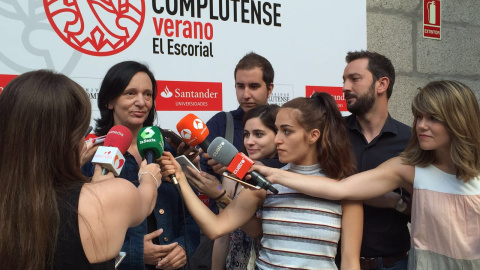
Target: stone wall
394,28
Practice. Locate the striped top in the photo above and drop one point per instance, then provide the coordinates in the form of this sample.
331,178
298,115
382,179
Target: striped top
299,231
445,228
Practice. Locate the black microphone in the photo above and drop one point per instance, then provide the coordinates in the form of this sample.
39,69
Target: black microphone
237,163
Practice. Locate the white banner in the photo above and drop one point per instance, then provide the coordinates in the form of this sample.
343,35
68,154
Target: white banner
184,42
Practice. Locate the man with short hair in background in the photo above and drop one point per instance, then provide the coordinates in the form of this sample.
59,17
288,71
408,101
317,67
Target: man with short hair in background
376,137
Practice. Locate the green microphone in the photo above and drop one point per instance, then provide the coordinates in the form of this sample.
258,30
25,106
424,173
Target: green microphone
150,146
150,143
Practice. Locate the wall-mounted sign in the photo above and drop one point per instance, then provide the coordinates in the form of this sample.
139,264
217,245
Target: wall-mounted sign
431,19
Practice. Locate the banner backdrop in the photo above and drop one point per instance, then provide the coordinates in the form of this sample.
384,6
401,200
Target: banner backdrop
191,46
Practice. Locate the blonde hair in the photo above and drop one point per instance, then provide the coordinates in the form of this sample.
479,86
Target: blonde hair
453,104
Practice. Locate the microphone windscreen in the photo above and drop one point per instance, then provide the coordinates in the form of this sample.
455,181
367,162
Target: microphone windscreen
192,129
120,137
222,151
150,138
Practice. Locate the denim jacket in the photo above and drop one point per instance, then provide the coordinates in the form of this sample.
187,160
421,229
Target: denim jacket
168,213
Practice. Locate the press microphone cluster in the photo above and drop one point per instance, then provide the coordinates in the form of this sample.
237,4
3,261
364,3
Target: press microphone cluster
237,163
195,132
110,155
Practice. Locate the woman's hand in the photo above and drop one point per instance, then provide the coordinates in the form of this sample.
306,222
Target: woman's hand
268,172
190,152
216,167
97,174
205,183
88,152
170,166
152,169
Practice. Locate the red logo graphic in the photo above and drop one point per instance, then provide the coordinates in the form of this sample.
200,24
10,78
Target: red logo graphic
4,80
96,27
335,91
120,161
189,96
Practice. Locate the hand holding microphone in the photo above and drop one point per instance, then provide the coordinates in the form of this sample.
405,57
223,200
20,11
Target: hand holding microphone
110,155
237,163
153,170
170,167
194,132
150,145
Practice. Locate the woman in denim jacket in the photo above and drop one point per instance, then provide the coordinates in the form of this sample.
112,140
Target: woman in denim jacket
126,97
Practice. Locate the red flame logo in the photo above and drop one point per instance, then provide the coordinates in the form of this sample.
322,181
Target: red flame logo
96,27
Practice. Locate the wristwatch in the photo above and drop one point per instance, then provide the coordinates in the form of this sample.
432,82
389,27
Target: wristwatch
223,201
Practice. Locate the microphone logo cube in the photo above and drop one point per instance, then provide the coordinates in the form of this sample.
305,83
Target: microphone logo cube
110,158
239,165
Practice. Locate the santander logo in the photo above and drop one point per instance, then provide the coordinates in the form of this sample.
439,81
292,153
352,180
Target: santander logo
166,93
96,27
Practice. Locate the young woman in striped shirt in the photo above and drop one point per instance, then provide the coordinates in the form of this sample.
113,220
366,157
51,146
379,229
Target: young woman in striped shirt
299,231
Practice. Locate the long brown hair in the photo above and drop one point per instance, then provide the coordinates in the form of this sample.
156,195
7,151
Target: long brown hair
43,117
453,104
320,111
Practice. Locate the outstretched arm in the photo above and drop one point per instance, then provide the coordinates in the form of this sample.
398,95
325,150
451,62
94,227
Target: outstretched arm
236,214
352,230
369,184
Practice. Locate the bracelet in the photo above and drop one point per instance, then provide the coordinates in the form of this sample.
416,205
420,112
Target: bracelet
224,191
142,173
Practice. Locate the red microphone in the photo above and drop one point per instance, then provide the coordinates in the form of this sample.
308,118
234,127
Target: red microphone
119,136
237,163
110,155
193,131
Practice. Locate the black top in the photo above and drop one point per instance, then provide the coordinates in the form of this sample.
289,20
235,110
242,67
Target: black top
69,252
385,230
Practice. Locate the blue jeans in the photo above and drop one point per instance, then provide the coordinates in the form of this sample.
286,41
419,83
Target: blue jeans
400,265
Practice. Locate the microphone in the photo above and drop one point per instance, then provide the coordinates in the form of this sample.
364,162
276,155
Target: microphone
110,155
96,140
237,163
194,131
150,145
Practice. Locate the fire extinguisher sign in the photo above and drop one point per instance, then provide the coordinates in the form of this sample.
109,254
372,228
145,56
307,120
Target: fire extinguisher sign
431,19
